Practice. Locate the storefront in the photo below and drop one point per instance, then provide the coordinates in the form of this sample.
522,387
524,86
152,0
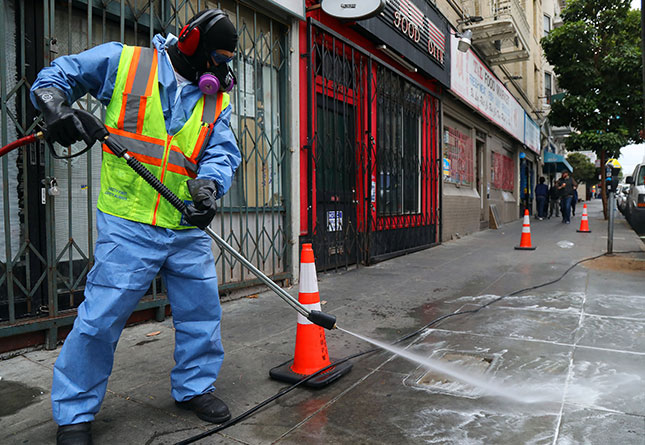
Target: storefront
490,149
369,168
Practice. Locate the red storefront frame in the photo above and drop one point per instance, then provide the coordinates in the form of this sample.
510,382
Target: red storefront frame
323,34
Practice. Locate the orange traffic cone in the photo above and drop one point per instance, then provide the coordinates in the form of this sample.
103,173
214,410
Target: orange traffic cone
311,346
584,224
525,241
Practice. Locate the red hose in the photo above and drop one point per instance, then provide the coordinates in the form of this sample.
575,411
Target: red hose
18,143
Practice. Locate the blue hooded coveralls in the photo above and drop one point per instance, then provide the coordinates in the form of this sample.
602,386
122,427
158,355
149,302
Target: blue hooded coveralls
129,254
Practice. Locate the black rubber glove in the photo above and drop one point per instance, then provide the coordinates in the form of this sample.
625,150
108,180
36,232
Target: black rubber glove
63,126
202,211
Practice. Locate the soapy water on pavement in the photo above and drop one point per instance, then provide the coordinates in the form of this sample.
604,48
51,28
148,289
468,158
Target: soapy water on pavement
487,386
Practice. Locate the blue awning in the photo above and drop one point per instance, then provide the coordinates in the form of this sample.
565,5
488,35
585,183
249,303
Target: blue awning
554,163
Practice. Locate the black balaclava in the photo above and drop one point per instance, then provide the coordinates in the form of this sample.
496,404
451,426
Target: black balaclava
220,35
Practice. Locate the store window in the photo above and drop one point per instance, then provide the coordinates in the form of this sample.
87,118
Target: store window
258,109
502,172
398,145
458,156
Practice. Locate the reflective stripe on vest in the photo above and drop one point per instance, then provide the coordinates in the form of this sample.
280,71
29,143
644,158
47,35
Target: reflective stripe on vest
150,151
135,119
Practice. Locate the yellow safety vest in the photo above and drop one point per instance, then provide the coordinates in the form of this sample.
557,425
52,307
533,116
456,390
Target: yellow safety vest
134,117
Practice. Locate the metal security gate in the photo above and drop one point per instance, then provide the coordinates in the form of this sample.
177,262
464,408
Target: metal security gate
48,229
337,89
407,168
372,166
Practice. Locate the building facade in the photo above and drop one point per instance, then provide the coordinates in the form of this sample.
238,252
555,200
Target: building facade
493,114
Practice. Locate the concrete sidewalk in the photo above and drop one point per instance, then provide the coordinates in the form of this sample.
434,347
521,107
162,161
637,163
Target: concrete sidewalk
580,341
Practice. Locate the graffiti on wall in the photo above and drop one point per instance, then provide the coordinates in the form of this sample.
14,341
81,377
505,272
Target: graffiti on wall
502,172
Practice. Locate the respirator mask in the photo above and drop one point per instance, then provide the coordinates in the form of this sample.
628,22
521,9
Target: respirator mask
221,77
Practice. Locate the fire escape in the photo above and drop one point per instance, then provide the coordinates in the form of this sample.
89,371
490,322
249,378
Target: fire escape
503,34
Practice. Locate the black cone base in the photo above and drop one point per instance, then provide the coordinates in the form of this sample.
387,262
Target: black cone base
285,374
524,248
583,231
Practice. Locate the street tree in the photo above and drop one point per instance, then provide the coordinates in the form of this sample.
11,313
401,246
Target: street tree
584,171
596,56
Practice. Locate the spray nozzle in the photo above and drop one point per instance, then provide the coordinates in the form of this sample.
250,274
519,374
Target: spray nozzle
321,319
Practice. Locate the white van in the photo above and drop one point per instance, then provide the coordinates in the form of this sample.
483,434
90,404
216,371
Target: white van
635,206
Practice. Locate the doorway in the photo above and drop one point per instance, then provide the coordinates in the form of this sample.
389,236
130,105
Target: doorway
480,147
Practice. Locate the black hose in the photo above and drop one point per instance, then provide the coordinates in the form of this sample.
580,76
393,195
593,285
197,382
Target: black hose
284,391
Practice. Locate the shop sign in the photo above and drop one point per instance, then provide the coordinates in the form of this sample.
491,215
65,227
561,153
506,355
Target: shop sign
417,30
471,80
353,9
531,134
408,19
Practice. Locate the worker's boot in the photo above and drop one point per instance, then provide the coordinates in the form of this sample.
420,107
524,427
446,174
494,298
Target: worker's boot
75,434
207,407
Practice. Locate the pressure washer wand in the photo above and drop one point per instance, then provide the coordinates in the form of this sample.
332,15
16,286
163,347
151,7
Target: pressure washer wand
91,124
317,317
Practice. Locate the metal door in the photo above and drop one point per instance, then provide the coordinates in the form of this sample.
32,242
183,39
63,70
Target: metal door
335,232
336,86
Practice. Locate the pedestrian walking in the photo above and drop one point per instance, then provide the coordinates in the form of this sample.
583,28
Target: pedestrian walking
566,185
169,106
574,201
541,196
554,200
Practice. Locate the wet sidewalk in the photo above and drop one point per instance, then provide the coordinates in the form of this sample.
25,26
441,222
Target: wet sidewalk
579,342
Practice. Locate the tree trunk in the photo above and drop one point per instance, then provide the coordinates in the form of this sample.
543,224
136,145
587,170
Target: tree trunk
603,183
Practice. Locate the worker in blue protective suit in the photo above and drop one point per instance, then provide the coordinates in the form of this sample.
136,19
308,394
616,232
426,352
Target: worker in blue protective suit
137,239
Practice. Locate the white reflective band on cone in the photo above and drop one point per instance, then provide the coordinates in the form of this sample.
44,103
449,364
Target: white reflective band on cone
526,229
308,281
311,307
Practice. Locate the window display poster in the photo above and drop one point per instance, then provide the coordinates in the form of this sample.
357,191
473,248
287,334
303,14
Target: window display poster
446,167
458,151
503,172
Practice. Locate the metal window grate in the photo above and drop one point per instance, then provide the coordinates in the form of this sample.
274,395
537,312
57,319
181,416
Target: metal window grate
47,242
372,152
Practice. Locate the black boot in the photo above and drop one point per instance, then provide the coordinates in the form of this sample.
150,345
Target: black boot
76,434
207,407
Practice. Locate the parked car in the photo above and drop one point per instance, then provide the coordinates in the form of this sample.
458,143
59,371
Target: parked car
635,207
621,197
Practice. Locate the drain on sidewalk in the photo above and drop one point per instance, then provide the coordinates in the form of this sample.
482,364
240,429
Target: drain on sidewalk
437,382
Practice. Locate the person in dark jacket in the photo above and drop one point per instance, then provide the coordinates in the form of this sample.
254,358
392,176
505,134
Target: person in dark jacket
566,186
554,200
541,196
574,201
